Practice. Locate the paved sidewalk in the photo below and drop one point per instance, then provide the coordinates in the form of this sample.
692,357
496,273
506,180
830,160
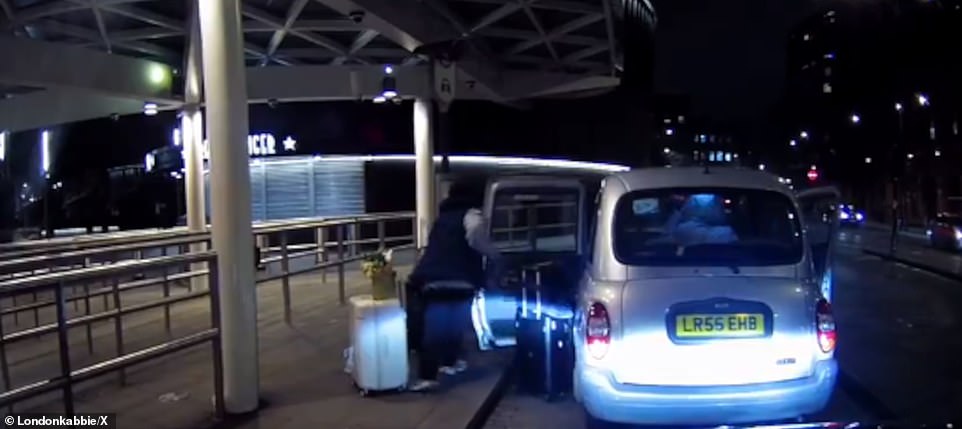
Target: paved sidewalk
301,370
911,251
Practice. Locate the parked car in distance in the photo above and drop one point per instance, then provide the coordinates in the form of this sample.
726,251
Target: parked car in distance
945,232
848,216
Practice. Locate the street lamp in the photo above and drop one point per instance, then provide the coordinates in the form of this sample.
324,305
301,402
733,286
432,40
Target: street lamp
868,160
761,167
803,134
938,153
898,107
792,143
856,118
923,100
910,155
667,150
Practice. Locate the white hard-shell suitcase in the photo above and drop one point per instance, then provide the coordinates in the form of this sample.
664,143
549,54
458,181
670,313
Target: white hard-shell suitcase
379,344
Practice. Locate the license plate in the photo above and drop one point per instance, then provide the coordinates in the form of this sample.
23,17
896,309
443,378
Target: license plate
739,325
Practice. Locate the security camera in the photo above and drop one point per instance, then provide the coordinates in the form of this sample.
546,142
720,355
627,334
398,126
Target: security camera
357,16
272,103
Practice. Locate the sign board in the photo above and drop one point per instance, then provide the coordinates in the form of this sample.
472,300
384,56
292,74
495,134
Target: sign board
444,83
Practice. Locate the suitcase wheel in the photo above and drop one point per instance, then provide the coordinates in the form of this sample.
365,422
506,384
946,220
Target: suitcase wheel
364,392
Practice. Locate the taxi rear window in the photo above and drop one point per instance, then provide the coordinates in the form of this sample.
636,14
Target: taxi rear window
707,227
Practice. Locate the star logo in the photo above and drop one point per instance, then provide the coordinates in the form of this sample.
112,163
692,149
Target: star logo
290,144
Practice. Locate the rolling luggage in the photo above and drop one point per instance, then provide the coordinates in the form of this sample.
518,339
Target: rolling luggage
378,345
544,342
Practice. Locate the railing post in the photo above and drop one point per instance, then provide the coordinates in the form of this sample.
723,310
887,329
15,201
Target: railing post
325,256
4,365
355,237
119,329
217,352
88,326
63,340
167,295
286,279
381,243
340,264
36,310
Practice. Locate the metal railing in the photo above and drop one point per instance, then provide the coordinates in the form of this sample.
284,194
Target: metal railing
286,243
41,255
340,237
69,376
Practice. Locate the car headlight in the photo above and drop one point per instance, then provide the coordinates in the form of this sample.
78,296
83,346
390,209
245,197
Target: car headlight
958,234
843,215
859,217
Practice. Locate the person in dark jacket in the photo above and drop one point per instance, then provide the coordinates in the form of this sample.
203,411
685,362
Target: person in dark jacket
449,272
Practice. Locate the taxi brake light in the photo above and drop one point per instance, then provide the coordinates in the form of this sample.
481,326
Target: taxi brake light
825,321
598,330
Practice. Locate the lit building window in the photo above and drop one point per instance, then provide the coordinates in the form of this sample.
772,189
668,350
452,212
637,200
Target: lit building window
712,140
955,128
827,88
667,120
806,37
704,139
719,156
932,131
694,155
829,56
828,71
711,156
728,157
830,13
681,119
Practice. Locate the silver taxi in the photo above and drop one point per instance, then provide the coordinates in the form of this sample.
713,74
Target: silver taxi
702,301
701,296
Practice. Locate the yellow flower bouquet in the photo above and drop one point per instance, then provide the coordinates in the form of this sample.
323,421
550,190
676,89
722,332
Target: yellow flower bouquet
379,270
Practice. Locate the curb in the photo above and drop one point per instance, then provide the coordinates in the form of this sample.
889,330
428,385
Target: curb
927,268
494,397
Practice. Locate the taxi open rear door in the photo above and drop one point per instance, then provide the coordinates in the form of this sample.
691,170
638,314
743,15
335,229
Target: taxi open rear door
820,218
532,220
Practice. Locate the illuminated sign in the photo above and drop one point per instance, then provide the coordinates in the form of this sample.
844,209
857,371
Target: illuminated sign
261,144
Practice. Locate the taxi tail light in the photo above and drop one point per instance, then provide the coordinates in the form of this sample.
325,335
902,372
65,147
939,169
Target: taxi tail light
826,326
598,330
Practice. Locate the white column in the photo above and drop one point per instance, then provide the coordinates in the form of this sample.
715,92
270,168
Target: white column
192,137
424,169
226,102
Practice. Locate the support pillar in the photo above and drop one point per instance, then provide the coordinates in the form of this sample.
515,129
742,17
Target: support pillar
227,127
424,169
192,137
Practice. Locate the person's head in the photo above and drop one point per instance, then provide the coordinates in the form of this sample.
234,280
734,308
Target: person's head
464,194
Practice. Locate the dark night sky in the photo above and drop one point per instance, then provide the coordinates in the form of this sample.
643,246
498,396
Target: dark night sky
728,55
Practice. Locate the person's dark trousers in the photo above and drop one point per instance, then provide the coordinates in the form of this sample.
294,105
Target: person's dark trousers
460,309
442,334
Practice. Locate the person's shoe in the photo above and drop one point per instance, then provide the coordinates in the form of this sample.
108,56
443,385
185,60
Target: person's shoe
424,386
460,365
448,370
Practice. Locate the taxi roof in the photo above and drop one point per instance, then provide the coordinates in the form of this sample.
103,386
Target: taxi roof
725,177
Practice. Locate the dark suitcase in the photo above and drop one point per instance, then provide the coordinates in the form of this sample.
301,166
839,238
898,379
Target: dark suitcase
545,356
